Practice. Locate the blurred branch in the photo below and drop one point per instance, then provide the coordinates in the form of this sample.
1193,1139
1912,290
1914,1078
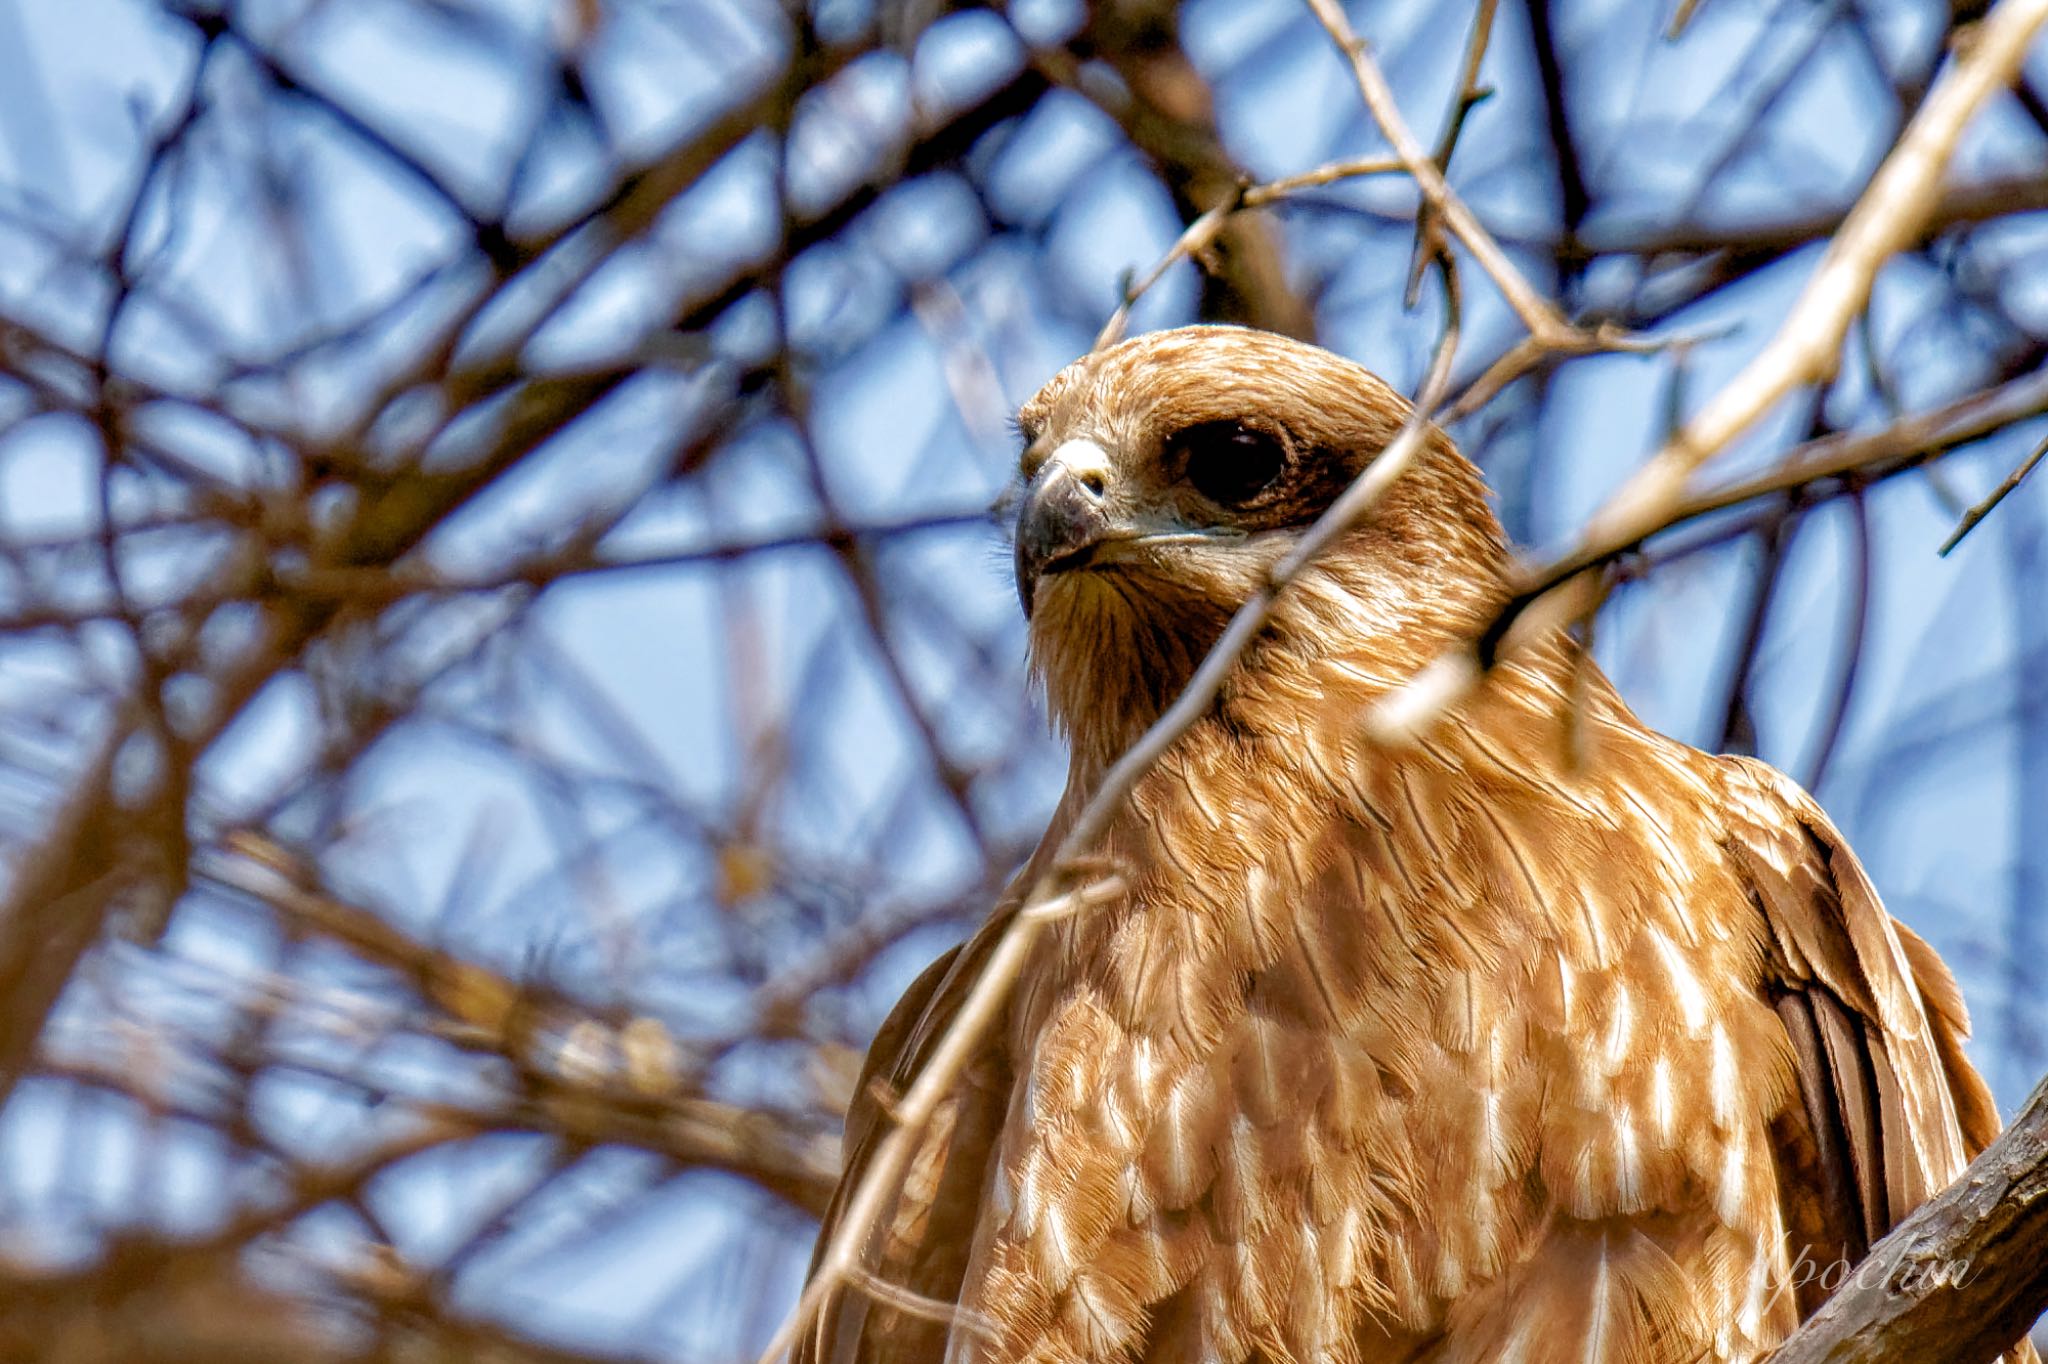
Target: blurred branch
58,895
1770,239
597,1078
1854,636
84,863
1168,111
1688,264
1575,198
933,147
148,1301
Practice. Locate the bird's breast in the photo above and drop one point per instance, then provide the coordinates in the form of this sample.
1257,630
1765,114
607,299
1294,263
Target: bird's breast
1358,1038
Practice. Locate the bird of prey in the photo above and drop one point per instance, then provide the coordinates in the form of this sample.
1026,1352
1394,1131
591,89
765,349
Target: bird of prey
1478,1046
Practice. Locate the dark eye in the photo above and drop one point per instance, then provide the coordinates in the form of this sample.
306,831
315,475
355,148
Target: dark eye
1227,462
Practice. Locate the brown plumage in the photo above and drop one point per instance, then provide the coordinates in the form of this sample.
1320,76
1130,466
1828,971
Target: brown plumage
1457,1050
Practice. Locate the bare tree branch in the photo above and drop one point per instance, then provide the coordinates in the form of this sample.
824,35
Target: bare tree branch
1958,1280
1805,349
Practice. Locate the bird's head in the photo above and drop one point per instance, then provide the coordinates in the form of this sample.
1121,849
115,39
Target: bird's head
1163,478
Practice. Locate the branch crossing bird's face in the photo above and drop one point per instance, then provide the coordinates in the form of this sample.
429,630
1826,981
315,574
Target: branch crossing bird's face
1164,477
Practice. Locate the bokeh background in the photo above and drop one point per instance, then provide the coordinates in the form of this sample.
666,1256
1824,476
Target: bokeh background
505,670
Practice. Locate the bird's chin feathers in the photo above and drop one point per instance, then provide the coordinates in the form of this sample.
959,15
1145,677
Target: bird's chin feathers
1113,645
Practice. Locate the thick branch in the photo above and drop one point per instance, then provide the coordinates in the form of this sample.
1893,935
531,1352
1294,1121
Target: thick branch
1961,1279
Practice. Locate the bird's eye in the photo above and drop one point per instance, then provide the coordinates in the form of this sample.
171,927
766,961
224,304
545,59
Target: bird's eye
1227,462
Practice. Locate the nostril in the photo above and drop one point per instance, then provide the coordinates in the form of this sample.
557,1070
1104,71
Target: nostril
1080,468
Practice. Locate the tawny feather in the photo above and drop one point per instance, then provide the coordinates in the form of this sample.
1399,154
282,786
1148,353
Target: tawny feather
1456,1051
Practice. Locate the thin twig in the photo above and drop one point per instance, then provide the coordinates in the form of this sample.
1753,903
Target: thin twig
1538,314
1201,234
1194,239
1886,219
1467,96
1998,495
918,1305
1350,169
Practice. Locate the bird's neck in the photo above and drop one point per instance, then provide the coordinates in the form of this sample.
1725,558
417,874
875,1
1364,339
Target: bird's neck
1108,684
1119,660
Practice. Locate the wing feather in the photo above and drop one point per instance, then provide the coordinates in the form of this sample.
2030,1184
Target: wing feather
1975,1108
1822,1097
1875,1021
929,1231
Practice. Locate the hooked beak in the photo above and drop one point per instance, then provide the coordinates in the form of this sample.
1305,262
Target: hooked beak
1061,522
1065,522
